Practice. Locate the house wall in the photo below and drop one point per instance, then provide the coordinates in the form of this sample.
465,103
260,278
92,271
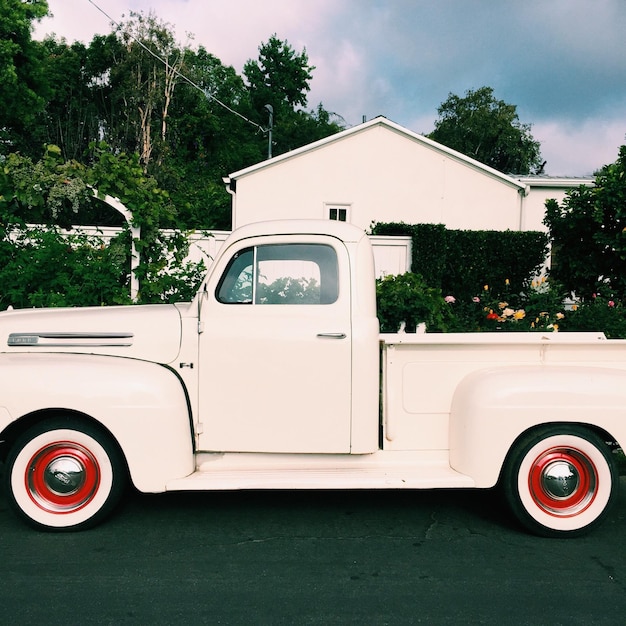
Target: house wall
378,174
535,207
540,191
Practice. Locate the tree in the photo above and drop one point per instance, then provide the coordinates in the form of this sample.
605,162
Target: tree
45,266
144,82
191,119
588,233
21,78
280,77
70,117
206,141
488,130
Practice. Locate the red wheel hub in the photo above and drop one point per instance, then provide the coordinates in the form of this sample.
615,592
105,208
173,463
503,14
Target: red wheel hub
563,482
62,477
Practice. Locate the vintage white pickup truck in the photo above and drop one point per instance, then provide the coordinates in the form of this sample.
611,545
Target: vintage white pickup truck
276,377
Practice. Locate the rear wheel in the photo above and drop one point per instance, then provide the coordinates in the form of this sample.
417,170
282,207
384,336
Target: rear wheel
64,474
560,480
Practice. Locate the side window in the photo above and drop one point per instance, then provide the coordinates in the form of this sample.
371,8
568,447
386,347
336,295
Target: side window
235,286
281,274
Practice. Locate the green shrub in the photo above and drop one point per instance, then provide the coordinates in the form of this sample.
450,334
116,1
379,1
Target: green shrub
456,261
598,315
406,298
45,267
491,258
588,234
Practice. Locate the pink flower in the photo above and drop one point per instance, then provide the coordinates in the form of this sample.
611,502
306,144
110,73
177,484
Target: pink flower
450,299
611,303
476,299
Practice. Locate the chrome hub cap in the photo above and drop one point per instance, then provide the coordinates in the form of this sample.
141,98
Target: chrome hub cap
62,477
560,479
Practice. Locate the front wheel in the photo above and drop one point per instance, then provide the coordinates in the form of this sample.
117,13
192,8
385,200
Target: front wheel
560,481
63,474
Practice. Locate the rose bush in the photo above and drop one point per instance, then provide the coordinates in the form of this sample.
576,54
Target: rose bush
541,308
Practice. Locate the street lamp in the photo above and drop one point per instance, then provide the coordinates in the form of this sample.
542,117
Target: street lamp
270,109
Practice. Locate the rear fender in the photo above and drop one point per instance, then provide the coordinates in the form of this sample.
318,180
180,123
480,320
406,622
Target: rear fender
143,405
491,408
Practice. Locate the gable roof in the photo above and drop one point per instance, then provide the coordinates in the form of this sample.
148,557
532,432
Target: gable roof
380,122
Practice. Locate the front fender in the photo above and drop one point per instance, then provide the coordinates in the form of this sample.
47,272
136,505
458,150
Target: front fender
143,405
492,407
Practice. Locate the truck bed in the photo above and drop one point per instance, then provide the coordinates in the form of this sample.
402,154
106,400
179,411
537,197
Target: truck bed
421,372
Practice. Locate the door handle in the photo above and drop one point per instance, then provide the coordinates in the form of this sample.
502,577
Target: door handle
331,335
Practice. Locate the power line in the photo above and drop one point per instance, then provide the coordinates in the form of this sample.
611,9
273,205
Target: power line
181,75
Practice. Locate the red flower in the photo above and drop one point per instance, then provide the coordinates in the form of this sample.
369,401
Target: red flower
492,316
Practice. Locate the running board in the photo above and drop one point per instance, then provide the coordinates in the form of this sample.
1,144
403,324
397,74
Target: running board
381,470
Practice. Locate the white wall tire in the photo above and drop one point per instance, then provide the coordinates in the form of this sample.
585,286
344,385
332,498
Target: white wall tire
64,475
560,481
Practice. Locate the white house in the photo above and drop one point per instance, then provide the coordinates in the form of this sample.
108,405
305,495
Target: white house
379,171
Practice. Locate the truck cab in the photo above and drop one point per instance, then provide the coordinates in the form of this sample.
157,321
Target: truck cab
288,348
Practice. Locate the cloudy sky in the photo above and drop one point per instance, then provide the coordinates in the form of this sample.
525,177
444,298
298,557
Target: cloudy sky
561,62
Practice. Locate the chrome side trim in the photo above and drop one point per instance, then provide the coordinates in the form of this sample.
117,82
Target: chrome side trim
70,340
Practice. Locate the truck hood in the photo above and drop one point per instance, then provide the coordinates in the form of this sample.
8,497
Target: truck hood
147,332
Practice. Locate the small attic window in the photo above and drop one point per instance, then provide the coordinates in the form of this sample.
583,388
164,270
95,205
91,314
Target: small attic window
338,212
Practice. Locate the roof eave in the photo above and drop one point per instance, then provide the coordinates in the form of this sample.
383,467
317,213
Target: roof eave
560,182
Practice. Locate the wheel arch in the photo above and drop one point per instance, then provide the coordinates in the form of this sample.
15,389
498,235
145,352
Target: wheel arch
142,407
17,428
492,409
565,427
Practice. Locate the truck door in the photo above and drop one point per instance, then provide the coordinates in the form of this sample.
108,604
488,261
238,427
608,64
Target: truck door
275,351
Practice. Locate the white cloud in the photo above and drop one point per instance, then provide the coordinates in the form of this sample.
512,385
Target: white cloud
231,30
77,20
572,150
560,63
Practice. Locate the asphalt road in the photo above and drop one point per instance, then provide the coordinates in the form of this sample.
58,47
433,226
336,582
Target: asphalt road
364,558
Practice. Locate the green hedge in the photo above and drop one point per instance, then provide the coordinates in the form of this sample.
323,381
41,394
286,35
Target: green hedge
461,262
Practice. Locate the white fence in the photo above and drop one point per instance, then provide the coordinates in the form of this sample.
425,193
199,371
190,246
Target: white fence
392,254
